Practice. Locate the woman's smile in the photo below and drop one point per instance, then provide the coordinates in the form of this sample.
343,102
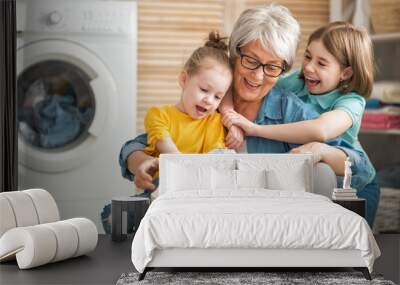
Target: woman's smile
251,85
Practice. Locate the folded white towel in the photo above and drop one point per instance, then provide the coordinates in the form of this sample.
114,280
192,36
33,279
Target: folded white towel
387,91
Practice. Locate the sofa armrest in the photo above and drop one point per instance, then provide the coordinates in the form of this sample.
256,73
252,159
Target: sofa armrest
26,208
33,246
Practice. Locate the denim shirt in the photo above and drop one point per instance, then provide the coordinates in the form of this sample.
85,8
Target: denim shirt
279,106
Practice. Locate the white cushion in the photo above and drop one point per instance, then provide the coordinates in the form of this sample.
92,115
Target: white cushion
290,172
182,177
180,172
293,181
224,179
40,244
6,215
213,173
45,205
23,208
87,233
67,237
27,208
228,180
34,244
252,178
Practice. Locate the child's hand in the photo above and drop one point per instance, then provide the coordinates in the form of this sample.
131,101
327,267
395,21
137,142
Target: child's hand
144,176
231,118
235,137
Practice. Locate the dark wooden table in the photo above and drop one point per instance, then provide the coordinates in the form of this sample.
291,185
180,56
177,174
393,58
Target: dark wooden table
358,206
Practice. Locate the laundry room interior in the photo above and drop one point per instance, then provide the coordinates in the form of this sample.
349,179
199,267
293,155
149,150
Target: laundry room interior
88,71
110,64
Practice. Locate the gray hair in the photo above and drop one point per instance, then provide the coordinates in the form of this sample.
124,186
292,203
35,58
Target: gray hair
273,25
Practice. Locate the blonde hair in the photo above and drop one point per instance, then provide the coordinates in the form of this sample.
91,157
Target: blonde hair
215,48
351,47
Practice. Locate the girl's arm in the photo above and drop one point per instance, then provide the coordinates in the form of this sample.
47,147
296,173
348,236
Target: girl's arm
327,126
166,145
226,103
235,136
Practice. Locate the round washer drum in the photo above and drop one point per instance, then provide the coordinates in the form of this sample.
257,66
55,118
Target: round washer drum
56,104
66,100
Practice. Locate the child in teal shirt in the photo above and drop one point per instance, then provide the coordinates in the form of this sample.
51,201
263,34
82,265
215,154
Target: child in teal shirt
335,77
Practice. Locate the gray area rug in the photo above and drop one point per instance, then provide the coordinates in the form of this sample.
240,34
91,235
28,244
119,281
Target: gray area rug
243,278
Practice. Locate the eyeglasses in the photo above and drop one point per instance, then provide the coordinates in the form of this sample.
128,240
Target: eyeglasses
251,63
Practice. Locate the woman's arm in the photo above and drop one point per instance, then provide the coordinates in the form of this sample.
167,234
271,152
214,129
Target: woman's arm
333,156
143,167
327,126
136,165
137,144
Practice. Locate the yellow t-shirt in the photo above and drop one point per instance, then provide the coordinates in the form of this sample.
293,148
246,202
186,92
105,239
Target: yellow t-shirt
188,134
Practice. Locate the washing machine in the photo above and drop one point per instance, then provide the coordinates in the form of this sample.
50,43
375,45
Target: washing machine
76,90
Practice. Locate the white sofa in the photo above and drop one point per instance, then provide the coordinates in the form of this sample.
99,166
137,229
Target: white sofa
31,231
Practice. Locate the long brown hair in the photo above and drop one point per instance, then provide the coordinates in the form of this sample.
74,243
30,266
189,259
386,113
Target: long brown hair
351,47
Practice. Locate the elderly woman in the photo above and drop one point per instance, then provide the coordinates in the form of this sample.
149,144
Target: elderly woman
262,46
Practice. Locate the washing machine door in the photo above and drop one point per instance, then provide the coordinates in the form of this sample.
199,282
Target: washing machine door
66,104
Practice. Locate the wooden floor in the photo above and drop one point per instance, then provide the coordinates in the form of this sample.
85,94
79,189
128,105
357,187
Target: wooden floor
389,262
110,260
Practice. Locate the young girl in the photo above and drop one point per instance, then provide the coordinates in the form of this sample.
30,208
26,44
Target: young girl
336,75
192,125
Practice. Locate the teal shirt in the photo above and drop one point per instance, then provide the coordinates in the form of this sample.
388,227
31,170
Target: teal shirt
352,103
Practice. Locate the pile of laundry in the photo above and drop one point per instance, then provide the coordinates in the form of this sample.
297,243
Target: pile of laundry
383,109
50,120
